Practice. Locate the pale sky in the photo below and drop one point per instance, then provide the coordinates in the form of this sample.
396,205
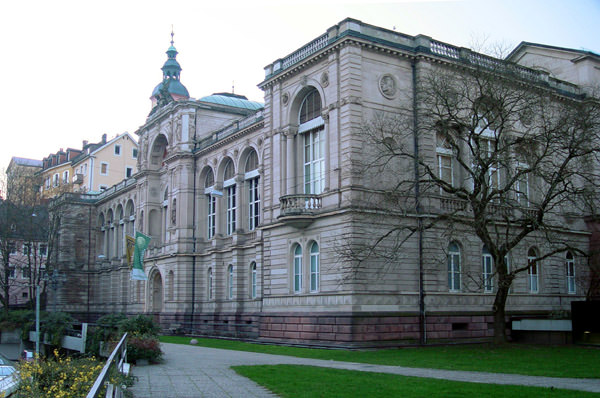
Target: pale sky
74,70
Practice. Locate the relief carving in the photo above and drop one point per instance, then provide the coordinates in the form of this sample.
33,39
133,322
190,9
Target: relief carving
388,86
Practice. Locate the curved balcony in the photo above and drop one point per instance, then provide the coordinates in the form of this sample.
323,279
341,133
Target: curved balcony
299,210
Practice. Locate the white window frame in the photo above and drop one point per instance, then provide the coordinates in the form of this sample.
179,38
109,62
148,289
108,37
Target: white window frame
117,150
533,273
253,201
454,264
65,177
209,290
55,180
487,265
314,161
102,164
315,267
230,282
134,153
570,273
253,276
130,170
231,197
297,269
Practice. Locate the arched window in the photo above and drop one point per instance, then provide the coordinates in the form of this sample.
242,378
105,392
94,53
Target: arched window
209,284
130,213
570,272
444,159
119,232
487,264
253,280
165,215
170,286
209,183
252,177
230,282
453,267
314,267
312,128
174,212
533,276
297,269
230,188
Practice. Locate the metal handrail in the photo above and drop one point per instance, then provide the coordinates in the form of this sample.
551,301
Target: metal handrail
118,357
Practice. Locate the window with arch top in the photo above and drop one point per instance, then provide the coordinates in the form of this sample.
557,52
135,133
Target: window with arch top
230,189
533,274
211,202
297,269
453,267
314,267
312,128
251,176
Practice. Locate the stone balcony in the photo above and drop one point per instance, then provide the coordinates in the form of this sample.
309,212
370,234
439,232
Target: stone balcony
299,210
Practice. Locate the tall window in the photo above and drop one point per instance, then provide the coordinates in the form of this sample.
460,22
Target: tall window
570,270
118,150
209,183
209,281
66,177
253,280
297,269
165,216
487,263
532,272
252,177
230,282
311,126
444,159
104,168
522,186
314,267
229,185
453,267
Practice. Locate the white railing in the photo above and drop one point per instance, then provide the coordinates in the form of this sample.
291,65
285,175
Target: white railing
445,50
117,358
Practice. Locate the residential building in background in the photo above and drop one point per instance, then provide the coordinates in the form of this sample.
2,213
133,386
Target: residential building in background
23,180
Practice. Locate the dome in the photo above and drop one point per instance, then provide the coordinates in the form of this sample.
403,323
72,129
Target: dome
175,87
233,100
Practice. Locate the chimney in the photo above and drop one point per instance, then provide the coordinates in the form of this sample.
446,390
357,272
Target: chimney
104,138
84,143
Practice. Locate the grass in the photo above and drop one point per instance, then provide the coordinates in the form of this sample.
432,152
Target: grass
554,361
308,381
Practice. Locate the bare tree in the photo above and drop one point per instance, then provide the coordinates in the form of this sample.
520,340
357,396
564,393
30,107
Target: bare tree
483,150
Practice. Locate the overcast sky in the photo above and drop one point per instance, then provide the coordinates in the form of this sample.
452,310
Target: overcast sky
74,70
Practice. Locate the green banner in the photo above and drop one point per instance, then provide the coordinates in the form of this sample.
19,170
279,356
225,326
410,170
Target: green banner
141,243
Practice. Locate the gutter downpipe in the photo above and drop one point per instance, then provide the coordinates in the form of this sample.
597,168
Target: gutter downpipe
193,234
422,320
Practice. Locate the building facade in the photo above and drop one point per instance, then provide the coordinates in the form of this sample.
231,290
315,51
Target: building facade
253,208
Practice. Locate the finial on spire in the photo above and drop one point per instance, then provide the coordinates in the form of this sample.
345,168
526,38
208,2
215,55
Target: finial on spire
172,34
233,87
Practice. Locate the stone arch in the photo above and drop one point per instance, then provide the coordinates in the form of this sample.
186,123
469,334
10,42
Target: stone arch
298,98
223,166
155,291
130,217
158,152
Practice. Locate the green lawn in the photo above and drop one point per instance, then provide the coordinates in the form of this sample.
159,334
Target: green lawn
307,381
555,361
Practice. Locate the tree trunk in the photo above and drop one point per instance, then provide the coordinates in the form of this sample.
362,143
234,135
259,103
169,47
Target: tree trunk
499,312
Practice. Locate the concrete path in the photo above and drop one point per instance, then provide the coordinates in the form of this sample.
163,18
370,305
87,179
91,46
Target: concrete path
194,372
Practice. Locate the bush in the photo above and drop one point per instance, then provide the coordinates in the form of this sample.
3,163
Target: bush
143,347
15,319
57,377
139,325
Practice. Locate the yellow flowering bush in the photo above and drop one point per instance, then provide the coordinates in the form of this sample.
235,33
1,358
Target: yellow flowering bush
57,377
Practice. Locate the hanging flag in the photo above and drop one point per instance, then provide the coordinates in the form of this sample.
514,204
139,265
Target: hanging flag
129,249
141,243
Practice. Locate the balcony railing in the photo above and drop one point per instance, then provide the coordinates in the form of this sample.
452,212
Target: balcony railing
300,204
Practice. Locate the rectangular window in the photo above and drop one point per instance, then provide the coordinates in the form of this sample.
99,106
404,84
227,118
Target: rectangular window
298,271
231,208
487,264
314,270
118,150
66,177
128,172
134,153
211,216
445,168
570,265
43,250
55,180
11,272
12,248
314,161
104,168
26,248
454,271
532,277
253,204
85,169
253,282
25,272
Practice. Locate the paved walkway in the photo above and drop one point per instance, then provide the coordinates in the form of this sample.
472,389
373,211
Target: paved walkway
194,372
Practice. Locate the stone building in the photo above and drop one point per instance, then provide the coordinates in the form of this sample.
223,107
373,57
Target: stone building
250,208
